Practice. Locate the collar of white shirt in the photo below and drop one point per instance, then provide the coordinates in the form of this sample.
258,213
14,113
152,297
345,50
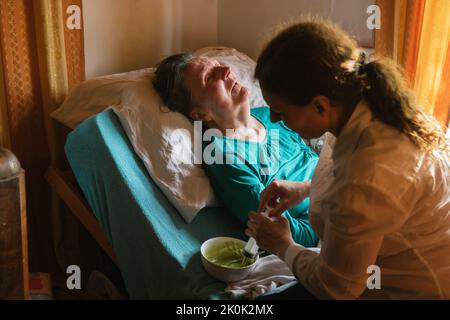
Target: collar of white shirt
347,141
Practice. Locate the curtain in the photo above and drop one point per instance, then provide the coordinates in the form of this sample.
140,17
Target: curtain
4,132
432,82
416,34
41,59
59,49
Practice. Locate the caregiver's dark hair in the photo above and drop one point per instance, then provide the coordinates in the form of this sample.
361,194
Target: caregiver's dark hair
314,58
168,81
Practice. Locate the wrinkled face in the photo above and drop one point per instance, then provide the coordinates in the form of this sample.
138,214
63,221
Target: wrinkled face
214,89
310,121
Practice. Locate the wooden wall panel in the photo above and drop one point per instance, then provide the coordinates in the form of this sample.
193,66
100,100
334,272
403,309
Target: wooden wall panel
74,43
384,37
24,111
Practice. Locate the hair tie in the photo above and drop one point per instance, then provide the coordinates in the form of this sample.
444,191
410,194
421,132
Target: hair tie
361,64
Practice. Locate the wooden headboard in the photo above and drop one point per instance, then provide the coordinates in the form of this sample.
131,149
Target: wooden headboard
67,193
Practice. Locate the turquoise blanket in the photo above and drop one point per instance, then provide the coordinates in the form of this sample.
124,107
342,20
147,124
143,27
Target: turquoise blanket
157,252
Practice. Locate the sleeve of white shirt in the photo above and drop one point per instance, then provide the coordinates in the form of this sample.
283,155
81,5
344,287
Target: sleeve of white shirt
291,253
358,218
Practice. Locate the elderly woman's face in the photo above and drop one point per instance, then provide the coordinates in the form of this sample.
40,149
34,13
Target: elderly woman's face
213,87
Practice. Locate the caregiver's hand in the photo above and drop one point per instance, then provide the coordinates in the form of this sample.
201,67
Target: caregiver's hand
289,193
271,234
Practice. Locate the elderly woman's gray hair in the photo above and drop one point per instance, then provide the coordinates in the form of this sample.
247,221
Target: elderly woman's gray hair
168,82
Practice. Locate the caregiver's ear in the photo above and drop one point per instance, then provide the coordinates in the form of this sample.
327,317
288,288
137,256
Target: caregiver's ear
321,105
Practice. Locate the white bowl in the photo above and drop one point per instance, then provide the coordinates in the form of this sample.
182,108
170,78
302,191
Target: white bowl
226,274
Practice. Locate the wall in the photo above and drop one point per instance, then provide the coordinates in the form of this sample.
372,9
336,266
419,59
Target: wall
251,25
123,35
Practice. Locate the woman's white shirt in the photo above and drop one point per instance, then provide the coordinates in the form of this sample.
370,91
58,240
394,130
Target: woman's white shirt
387,208
323,174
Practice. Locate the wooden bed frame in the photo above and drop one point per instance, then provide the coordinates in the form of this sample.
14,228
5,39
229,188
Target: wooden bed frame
65,190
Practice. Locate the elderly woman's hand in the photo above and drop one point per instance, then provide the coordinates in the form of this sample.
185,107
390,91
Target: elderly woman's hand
282,195
271,234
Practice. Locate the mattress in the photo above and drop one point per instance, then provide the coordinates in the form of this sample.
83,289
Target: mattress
157,252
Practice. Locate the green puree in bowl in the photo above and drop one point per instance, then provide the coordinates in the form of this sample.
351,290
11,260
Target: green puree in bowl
229,254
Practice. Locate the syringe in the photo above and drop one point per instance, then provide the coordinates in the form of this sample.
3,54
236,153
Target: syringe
251,248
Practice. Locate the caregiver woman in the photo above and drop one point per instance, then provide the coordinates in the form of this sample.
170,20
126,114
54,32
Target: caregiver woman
388,203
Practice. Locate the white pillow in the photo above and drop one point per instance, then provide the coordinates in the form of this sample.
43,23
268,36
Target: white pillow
93,96
162,139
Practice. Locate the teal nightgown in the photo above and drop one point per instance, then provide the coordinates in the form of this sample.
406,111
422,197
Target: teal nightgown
240,170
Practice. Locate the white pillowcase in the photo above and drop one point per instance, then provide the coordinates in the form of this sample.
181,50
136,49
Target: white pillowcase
93,96
162,139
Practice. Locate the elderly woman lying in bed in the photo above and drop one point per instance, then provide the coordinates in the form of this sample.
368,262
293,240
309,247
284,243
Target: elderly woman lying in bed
247,151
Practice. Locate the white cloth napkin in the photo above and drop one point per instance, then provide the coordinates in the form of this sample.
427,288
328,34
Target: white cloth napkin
270,272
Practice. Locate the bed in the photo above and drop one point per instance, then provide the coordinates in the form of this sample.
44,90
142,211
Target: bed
156,251
107,186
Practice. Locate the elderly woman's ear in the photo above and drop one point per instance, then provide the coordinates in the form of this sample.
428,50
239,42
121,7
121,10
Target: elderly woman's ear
198,115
